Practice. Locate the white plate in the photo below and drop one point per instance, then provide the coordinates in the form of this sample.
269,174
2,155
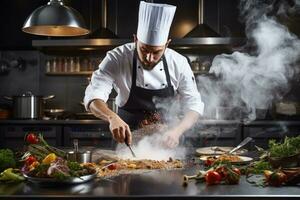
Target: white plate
218,150
244,159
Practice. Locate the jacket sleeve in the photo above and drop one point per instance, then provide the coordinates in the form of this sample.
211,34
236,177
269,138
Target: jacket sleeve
102,80
188,91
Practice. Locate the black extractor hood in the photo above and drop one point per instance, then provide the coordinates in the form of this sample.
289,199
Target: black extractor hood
202,29
103,31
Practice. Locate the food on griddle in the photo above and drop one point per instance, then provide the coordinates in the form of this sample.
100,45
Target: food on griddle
129,165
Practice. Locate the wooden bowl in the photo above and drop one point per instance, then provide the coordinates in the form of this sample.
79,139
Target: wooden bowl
285,162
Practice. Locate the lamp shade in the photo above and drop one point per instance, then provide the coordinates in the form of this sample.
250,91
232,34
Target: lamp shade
55,19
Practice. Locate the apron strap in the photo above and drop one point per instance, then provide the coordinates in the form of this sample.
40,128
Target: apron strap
166,71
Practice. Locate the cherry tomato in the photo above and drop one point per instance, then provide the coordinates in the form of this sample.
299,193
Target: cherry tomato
31,138
233,176
237,171
212,178
29,160
275,178
209,162
112,166
222,171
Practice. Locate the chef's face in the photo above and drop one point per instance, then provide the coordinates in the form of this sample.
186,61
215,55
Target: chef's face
148,55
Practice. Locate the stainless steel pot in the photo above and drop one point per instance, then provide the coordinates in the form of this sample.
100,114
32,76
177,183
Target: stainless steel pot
28,106
80,156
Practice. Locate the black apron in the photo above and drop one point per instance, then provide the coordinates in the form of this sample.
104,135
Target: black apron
140,102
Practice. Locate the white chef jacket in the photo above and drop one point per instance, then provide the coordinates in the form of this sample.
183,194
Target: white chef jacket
115,71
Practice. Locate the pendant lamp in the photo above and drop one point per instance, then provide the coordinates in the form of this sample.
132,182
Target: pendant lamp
55,19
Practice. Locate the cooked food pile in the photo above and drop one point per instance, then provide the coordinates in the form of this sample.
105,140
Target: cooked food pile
112,168
225,157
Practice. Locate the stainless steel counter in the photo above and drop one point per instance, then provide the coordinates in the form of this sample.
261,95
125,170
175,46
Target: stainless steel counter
154,185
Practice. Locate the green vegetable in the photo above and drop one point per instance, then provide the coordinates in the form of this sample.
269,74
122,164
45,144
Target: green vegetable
74,166
289,147
11,175
258,167
60,176
7,159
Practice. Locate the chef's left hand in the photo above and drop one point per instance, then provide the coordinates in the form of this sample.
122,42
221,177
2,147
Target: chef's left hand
171,138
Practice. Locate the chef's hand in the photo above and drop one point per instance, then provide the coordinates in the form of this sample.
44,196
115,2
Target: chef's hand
119,129
171,138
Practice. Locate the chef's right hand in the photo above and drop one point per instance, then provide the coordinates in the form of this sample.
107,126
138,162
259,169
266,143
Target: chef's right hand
119,129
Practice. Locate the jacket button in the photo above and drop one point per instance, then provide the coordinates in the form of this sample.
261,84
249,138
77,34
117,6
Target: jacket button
146,85
160,69
163,84
139,67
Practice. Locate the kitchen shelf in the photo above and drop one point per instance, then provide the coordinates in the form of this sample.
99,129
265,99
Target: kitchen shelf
85,73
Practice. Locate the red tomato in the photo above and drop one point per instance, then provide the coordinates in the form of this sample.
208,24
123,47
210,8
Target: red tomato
112,166
29,160
212,178
222,171
237,171
31,138
209,162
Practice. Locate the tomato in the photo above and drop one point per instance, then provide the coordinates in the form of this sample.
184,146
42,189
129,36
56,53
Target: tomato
237,171
275,178
212,178
222,171
29,160
112,166
209,162
233,176
31,138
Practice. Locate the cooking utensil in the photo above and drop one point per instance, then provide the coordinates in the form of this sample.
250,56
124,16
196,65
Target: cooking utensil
243,143
55,113
79,156
28,106
129,146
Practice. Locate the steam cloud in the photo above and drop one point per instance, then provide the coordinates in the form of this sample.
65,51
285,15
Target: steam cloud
150,147
252,81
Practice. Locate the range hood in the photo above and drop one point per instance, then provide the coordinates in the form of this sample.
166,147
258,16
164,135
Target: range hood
103,31
202,29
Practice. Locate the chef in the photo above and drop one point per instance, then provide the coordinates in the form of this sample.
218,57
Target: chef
141,72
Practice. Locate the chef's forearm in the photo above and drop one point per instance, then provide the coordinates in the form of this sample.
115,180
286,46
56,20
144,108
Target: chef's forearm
189,119
100,109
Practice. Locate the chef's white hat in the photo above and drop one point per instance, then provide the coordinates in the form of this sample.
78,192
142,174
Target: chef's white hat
154,23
